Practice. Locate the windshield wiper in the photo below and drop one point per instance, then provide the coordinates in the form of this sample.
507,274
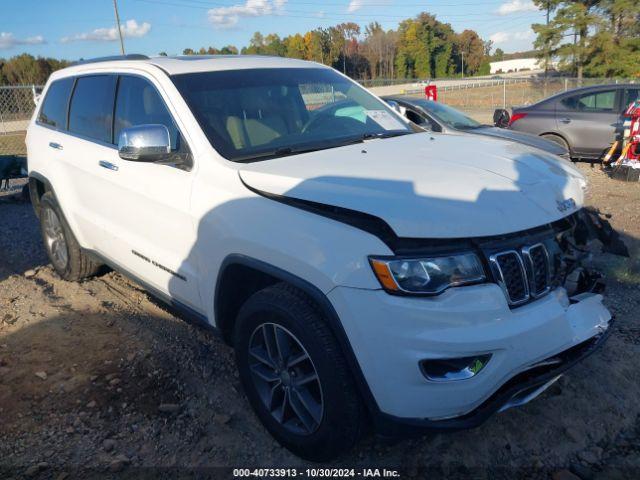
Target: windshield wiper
370,136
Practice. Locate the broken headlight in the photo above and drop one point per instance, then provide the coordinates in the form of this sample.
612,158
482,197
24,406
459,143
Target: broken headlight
430,275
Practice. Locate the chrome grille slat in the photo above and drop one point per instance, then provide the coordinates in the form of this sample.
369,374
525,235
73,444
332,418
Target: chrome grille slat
538,264
522,275
511,276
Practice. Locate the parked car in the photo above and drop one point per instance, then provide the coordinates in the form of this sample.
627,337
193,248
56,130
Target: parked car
364,271
442,118
585,120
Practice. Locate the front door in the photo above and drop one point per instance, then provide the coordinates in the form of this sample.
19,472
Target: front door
149,221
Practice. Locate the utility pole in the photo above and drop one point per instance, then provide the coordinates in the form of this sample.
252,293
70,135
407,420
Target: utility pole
547,53
462,51
115,8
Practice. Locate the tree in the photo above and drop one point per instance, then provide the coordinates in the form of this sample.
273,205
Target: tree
498,55
473,48
573,18
188,51
295,46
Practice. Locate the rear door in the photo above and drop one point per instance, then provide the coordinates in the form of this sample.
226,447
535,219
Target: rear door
588,121
87,141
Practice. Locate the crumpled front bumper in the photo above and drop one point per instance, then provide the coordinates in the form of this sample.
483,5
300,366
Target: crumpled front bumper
390,335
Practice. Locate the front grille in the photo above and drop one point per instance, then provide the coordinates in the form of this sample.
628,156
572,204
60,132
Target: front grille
523,274
537,260
510,274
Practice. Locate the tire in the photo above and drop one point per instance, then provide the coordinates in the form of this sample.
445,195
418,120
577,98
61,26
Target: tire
558,140
333,428
66,256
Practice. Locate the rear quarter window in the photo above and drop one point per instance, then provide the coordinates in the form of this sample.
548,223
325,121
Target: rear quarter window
54,107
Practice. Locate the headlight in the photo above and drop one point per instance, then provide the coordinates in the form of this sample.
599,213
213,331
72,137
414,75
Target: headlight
430,275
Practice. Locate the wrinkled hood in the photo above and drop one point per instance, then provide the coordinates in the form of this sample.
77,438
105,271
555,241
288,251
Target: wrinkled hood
522,137
430,185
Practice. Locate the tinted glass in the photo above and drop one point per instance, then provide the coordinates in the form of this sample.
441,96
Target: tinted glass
138,103
448,115
592,102
630,95
91,110
54,107
264,113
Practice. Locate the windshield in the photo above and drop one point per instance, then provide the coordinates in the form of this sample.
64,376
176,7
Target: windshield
449,116
254,114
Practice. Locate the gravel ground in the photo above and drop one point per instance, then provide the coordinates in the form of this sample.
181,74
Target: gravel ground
97,379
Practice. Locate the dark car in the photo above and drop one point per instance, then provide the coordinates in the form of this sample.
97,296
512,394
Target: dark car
585,120
442,118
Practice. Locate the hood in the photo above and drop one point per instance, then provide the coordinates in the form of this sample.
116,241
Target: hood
521,137
431,185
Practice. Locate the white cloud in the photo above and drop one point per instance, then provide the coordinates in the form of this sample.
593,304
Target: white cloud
499,37
355,5
7,40
130,29
504,37
229,16
515,6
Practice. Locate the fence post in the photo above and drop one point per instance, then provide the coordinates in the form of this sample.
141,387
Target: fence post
504,93
566,82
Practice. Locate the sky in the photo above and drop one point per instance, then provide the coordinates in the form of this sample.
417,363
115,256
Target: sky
73,29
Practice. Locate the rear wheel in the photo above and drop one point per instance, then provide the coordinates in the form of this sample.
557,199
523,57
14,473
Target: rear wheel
557,139
66,256
295,375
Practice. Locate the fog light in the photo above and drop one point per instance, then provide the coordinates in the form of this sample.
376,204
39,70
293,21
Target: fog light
450,369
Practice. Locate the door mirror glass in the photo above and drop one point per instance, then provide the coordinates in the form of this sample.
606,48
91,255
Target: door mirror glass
144,143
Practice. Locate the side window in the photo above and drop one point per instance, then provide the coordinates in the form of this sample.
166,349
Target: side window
598,102
91,110
138,103
54,106
592,102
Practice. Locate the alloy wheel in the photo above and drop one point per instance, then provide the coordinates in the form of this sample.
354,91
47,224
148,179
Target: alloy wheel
286,379
54,238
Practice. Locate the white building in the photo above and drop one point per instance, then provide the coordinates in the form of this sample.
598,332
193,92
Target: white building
516,65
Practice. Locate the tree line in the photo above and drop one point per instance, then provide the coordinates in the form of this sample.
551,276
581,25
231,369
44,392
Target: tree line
26,69
421,47
596,38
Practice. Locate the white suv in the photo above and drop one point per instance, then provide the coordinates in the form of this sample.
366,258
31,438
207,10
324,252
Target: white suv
366,272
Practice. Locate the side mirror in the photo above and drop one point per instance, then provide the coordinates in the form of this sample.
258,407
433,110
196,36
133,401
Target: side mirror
144,143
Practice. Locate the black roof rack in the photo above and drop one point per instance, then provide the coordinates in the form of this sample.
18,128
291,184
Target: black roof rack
130,56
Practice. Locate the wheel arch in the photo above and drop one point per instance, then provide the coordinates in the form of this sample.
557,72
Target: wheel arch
227,303
559,135
38,186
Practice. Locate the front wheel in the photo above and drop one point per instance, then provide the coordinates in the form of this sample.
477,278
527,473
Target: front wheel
295,375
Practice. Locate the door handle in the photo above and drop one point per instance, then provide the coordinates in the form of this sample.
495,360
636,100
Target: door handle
565,120
108,165
55,145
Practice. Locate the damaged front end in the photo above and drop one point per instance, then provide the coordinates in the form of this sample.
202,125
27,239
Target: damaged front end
577,244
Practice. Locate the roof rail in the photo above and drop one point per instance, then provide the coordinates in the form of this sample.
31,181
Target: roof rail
130,56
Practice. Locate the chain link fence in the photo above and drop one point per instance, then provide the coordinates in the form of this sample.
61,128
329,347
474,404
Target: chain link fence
16,107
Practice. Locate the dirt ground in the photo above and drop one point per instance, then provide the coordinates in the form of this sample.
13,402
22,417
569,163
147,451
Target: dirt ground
97,379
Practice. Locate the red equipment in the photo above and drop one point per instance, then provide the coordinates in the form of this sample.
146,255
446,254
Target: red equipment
431,92
632,149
